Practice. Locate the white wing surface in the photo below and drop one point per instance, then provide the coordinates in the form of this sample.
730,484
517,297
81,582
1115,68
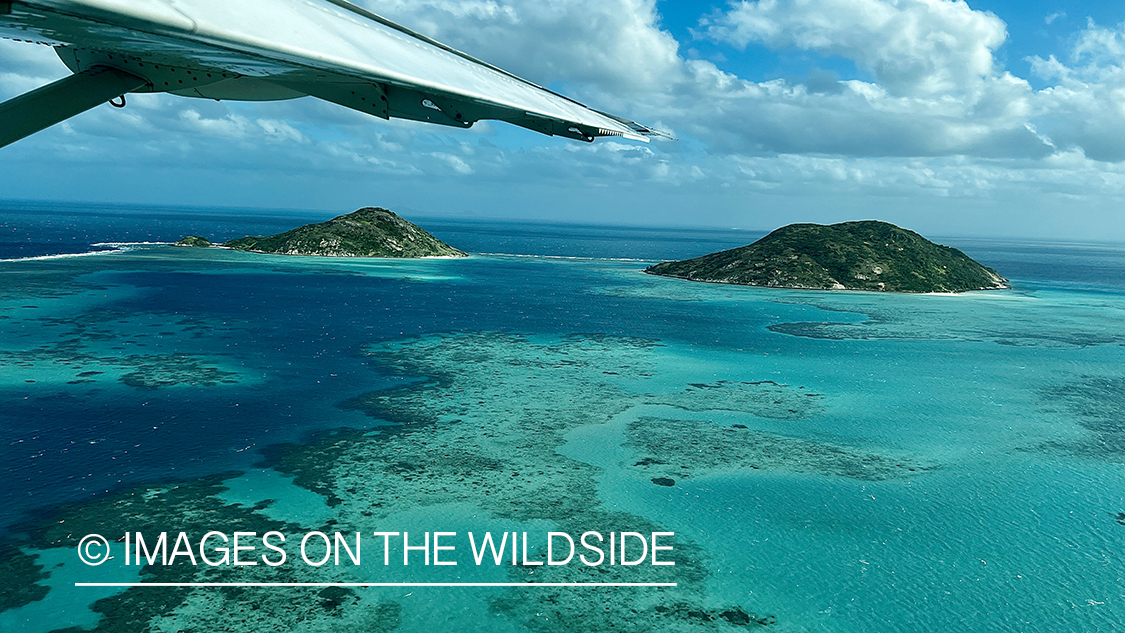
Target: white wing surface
271,50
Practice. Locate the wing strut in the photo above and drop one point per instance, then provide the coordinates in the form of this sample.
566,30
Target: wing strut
56,102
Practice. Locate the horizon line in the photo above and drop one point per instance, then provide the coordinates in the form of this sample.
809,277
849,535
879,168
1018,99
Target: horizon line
277,211
375,584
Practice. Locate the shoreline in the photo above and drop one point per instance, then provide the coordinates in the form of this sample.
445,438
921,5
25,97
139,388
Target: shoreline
878,292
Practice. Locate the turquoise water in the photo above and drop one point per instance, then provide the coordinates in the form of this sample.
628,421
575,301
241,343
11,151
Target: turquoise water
838,462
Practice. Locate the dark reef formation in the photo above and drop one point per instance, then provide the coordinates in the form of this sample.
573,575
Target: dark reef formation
1097,404
866,255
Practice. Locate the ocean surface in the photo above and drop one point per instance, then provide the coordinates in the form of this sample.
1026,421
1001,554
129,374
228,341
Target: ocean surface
828,461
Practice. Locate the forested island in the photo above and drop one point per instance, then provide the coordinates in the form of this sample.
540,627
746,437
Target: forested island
368,232
866,255
194,241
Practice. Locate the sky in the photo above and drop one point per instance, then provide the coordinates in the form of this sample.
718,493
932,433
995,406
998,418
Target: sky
991,118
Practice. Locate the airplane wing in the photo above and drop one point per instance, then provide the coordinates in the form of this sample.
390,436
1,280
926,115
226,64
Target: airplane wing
264,50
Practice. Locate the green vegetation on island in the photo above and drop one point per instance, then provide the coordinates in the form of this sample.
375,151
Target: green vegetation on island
195,241
866,255
368,232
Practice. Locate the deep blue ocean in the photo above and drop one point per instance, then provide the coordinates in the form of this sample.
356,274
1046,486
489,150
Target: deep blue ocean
947,463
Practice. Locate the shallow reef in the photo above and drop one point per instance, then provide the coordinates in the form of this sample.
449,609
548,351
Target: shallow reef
480,429
173,369
762,398
676,449
484,421
194,507
23,574
1097,404
834,331
483,428
1011,321
478,424
144,371
103,345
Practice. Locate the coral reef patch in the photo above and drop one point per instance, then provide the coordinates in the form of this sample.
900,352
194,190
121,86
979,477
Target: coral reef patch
763,398
104,345
483,427
1097,404
684,448
22,574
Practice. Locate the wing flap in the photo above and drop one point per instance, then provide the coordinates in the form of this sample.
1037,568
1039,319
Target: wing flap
367,97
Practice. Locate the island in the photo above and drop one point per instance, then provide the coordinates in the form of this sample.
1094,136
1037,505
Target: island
194,241
368,232
866,255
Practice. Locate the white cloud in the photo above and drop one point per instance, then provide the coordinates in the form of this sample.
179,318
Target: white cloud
912,47
936,90
1085,108
281,131
860,119
454,162
25,66
613,45
229,127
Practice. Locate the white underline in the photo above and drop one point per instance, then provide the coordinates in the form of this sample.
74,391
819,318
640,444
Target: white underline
374,584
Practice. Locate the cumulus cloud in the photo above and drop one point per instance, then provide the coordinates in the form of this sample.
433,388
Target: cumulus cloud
454,162
614,45
25,66
912,47
935,86
858,119
1085,108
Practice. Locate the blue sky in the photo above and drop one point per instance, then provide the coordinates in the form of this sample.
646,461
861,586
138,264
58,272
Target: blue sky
986,118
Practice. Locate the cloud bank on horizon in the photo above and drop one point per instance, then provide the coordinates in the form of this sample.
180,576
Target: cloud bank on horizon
935,114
